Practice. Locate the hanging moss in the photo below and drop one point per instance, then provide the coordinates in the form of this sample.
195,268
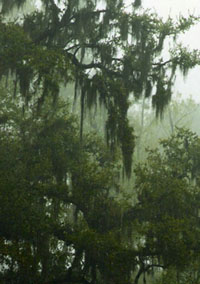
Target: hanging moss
82,112
106,53
8,5
148,89
120,133
91,95
137,3
162,97
25,75
127,140
124,26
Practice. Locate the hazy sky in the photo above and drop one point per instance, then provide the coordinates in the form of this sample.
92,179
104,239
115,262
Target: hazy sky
173,7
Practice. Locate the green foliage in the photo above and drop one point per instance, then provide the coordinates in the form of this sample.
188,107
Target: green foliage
61,222
167,203
55,196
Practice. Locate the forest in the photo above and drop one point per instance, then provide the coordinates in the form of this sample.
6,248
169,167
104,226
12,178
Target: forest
99,161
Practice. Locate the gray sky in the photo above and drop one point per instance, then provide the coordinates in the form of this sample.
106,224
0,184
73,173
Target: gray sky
173,7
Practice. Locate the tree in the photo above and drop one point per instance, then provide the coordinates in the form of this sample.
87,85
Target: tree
60,221
167,208
55,43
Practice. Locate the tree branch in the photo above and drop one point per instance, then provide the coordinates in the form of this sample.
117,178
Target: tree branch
91,65
163,63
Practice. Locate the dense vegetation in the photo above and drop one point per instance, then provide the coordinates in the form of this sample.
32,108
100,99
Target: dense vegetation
66,215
